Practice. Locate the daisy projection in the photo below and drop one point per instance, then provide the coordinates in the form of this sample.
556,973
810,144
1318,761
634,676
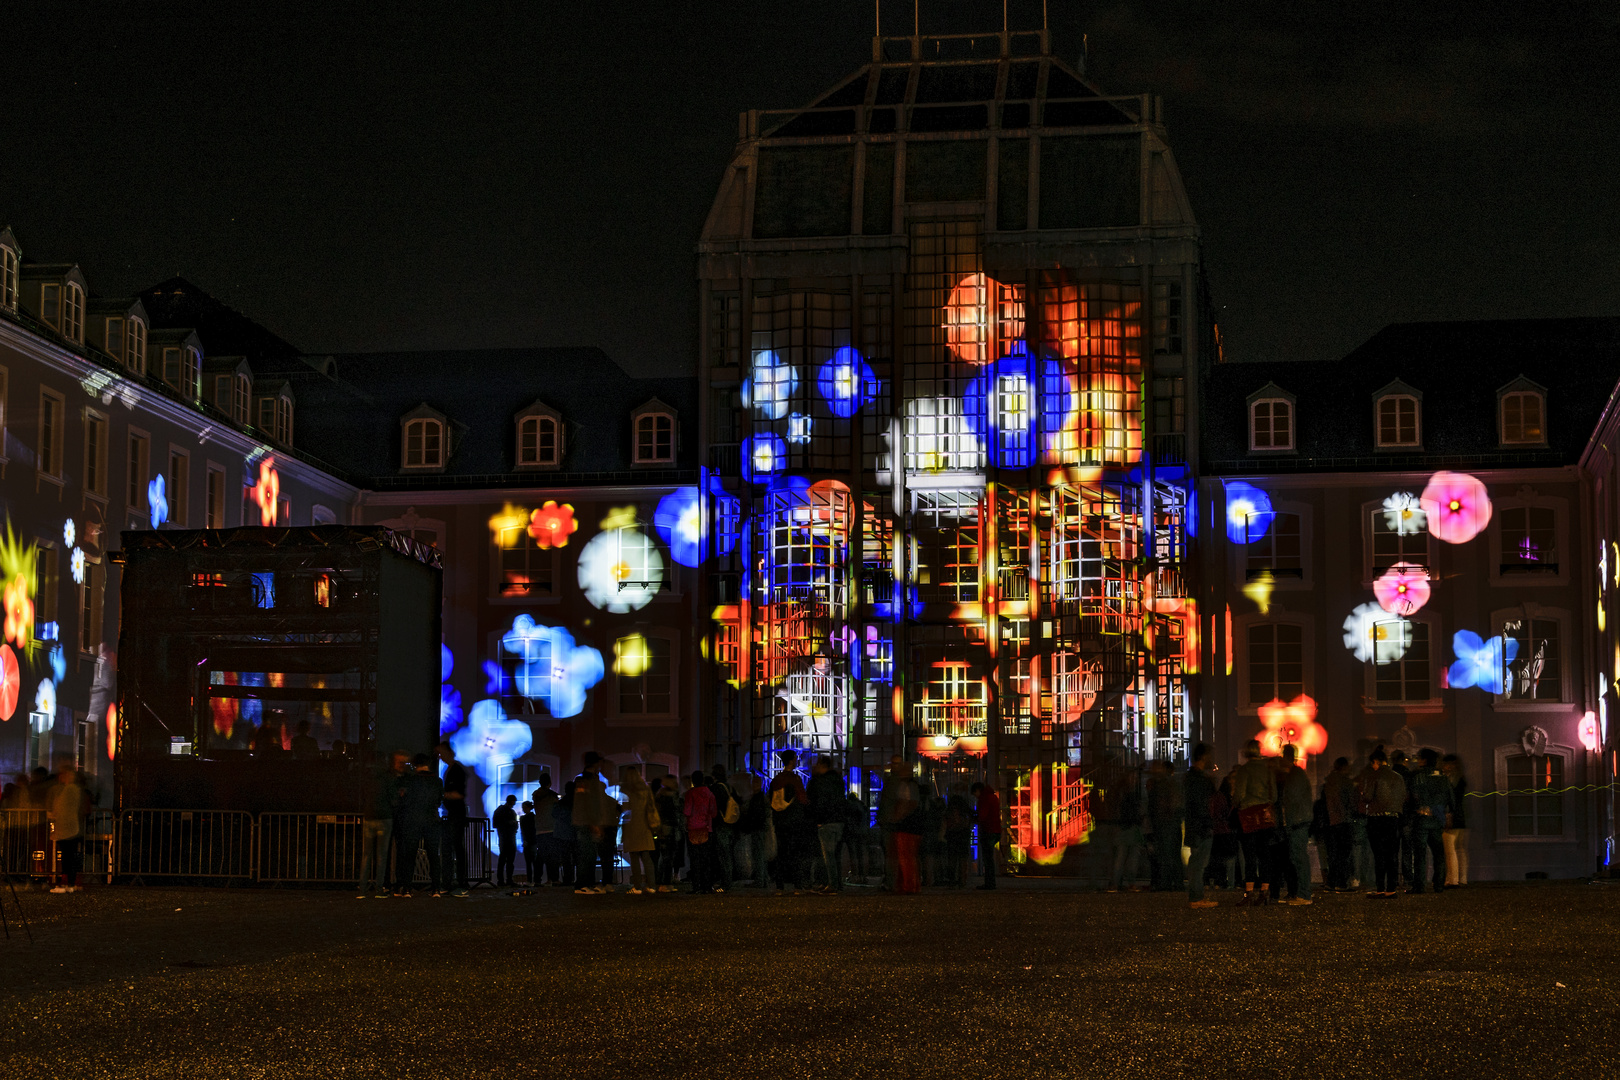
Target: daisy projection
1480,663
1373,635
1403,514
1402,589
621,570
1457,506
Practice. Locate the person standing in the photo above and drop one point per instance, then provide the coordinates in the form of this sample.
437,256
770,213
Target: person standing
377,825
66,805
903,824
453,843
756,817
564,838
699,811
641,822
1198,798
826,809
790,817
529,840
1339,796
1455,834
987,814
1165,811
667,837
1254,793
590,824
1295,802
416,823
1398,765
548,857
1383,793
728,812
1431,801
857,836
505,823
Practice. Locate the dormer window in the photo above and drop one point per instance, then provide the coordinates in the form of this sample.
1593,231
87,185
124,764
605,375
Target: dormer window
231,395
1398,422
1271,424
10,261
424,439
1523,417
654,439
135,346
276,418
61,307
182,369
112,341
539,441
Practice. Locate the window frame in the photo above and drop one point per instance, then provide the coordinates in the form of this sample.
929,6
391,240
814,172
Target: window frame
1520,388
1242,553
651,418
535,554
1433,703
1527,498
5,411
424,415
92,608
1398,399
214,496
107,337
1254,431
135,345
47,588
618,717
1372,513
56,440
137,464
1572,773
1568,659
10,276
73,312
96,457
540,415
177,489
1240,660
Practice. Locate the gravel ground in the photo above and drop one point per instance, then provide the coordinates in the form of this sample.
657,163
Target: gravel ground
1037,980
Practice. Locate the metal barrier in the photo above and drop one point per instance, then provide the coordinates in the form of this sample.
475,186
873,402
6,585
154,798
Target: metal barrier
99,829
313,848
25,844
184,843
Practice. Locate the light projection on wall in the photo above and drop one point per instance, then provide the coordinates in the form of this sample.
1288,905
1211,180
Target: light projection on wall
679,521
1457,506
552,525
1248,512
847,383
449,696
267,493
18,566
631,655
58,662
70,533
1051,812
490,740
770,385
1374,636
508,525
621,570
1403,514
1259,590
112,731
1402,589
10,682
43,718
551,669
1003,404
76,565
1291,724
763,456
157,504
1587,731
1480,663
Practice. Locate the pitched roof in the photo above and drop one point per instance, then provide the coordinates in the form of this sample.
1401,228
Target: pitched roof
222,329
1458,366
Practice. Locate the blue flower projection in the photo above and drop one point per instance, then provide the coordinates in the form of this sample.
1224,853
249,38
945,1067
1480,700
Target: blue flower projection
58,662
679,521
847,383
551,669
155,502
763,456
490,740
1248,512
770,386
1480,663
1002,406
449,696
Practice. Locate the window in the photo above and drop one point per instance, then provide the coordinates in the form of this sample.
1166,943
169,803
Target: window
139,459
525,567
182,369
655,439
725,329
1406,679
1536,671
424,444
5,402
267,416
1529,540
240,389
95,453
938,435
135,346
8,278
1535,803
179,482
1276,662
539,441
91,598
1398,421
50,434
1271,424
214,496
1167,318
648,692
639,563
73,313
45,612
1390,546
1523,421
284,420
1280,551
113,339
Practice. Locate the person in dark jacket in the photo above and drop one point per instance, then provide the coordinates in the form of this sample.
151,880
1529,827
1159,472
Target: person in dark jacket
529,840
1338,794
826,794
1224,852
1295,809
505,823
416,823
1198,797
1398,765
545,835
1431,802
1165,812
1455,834
668,844
959,837
755,817
987,812
453,848
724,833
563,840
377,826
791,820
1383,794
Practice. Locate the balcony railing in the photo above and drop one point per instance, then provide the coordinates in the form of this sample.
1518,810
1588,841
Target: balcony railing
953,719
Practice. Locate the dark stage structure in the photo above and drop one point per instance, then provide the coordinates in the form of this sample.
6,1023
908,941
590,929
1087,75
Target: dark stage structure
235,642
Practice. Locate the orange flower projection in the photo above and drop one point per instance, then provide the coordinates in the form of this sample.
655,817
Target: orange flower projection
10,682
552,525
1291,724
982,317
268,493
112,731
19,612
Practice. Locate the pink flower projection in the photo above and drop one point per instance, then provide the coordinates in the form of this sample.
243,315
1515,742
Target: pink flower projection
1457,506
1402,589
1291,724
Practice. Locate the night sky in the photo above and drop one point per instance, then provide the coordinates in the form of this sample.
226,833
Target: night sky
391,176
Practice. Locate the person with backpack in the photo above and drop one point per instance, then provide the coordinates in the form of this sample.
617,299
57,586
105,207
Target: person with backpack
826,795
641,825
729,811
790,818
505,823
1432,808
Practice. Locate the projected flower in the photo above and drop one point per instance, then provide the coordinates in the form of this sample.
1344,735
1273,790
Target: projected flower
847,382
1293,724
763,456
551,669
1587,730
552,525
1480,663
19,612
1248,512
769,387
631,655
449,696
679,521
156,504
1001,405
490,740
1403,588
76,565
967,317
44,715
70,534
1259,590
58,662
1457,505
112,731
1373,635
10,682
268,491
621,570
1403,513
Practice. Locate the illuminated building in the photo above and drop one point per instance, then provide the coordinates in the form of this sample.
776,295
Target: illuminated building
949,311
1433,559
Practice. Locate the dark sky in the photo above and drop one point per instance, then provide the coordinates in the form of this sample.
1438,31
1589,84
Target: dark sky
390,176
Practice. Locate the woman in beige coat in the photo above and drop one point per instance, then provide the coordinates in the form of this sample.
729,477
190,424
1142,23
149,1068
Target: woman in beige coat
640,827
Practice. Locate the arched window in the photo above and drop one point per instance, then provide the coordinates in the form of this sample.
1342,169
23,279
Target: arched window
539,441
1398,421
1523,419
655,439
424,444
1271,424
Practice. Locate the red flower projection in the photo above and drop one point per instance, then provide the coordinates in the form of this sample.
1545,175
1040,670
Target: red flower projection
268,493
10,682
1291,724
552,525
112,731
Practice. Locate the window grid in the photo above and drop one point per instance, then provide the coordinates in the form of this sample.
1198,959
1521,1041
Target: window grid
73,313
655,438
135,351
50,434
803,330
1522,418
725,329
1097,328
91,599
1408,678
946,524
538,443
1390,547
1529,540
1096,538
45,585
1398,420
1167,318
424,444
139,459
1276,662
1271,424
526,568
1539,811
649,692
1536,672
1279,551
9,266
95,453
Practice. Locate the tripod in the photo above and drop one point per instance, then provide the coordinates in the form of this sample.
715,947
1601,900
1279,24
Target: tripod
5,871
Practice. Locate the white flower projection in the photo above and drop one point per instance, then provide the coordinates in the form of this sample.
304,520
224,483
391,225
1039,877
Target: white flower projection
1374,634
1403,514
621,570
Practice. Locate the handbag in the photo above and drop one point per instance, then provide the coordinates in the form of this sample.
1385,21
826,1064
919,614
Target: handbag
780,800
1257,818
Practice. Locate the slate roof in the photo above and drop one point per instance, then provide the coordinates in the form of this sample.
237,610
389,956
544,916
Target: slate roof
221,329
1457,366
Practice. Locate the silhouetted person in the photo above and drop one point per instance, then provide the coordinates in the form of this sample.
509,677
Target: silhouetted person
987,809
416,824
305,745
505,823
453,829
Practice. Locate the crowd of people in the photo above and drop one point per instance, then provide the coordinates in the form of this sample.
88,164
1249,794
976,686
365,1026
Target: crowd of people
66,802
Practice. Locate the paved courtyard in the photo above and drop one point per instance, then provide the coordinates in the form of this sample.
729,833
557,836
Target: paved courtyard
1034,980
